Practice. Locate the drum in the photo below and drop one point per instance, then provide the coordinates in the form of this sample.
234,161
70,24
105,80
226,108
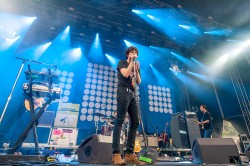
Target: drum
106,130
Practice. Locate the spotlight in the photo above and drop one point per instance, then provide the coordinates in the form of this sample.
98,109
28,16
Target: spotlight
137,11
175,69
6,145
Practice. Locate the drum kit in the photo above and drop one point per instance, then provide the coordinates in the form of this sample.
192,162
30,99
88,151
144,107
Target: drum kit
107,127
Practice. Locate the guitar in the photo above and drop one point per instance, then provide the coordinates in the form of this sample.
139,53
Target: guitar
163,136
202,125
38,102
137,147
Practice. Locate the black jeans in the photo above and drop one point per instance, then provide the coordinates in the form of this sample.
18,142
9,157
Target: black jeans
125,103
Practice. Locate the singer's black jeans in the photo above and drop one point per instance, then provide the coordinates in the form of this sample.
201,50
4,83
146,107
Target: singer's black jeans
125,102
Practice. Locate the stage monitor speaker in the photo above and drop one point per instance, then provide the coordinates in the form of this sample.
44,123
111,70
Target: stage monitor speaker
215,151
97,149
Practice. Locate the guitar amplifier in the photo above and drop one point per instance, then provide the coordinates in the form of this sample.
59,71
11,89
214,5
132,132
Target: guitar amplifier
152,141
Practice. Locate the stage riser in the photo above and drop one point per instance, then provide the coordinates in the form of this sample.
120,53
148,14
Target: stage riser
22,158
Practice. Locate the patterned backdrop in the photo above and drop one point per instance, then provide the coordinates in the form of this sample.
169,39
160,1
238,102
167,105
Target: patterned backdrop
97,94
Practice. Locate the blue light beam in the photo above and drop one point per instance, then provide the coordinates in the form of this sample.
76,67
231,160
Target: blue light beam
159,76
96,54
112,60
200,76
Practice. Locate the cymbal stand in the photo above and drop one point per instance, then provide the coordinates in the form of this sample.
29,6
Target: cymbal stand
96,127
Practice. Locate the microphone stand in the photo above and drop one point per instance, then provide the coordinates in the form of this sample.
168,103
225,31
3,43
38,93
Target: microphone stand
139,112
12,90
147,154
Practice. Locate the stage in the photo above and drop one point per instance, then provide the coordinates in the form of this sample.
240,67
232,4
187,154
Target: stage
63,82
161,161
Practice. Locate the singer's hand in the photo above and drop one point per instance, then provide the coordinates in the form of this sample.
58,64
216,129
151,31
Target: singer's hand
134,56
137,65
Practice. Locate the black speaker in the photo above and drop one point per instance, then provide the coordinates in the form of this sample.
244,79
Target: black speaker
97,149
215,151
179,132
193,130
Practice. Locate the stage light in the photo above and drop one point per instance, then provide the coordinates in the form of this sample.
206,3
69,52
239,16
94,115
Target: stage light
113,61
220,32
66,35
190,28
28,20
71,8
12,40
175,69
95,53
153,18
137,11
128,44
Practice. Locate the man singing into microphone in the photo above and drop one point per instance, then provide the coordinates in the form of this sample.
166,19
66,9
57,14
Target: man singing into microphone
128,77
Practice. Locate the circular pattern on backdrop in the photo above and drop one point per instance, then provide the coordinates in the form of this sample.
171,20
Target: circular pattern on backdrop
101,79
157,99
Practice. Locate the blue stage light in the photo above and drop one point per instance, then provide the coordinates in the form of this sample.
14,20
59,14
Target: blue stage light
137,11
112,60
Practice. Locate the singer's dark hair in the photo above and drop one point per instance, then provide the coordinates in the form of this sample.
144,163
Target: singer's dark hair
130,49
204,106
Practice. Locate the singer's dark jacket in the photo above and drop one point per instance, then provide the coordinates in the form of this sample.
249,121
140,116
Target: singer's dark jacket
123,81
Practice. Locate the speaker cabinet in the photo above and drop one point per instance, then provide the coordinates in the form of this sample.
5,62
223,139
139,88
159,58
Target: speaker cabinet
193,130
97,149
215,151
179,132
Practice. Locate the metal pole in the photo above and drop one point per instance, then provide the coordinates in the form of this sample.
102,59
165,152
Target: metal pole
217,97
11,93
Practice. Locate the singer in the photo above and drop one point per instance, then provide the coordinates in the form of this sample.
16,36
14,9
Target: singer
128,77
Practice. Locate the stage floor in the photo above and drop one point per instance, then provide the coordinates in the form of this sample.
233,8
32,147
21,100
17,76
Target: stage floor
161,161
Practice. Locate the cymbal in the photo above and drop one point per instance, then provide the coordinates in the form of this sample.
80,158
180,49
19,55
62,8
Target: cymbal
98,114
106,118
